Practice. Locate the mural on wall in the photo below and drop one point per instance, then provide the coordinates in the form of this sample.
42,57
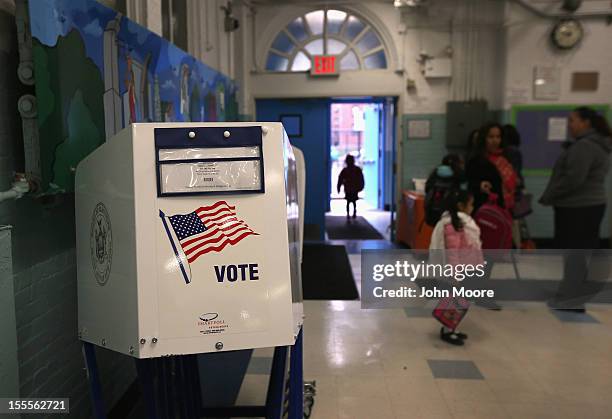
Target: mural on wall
97,72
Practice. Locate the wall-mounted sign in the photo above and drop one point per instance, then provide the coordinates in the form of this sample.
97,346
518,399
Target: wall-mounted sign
324,65
557,129
419,128
585,81
546,83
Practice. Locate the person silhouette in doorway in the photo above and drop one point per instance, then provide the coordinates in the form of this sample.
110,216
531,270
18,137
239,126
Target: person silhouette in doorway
352,179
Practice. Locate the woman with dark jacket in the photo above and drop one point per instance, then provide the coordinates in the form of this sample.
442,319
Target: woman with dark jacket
577,192
488,170
576,188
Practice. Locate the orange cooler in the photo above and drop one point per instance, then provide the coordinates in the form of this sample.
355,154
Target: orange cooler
412,229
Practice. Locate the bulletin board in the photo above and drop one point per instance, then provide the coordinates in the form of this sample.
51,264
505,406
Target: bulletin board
539,126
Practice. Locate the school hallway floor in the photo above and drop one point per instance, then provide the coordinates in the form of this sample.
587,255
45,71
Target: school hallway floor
524,362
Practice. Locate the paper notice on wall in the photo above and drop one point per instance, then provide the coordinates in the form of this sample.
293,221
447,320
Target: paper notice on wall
546,83
557,129
419,128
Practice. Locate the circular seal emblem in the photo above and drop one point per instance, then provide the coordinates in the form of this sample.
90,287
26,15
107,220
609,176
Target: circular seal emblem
101,243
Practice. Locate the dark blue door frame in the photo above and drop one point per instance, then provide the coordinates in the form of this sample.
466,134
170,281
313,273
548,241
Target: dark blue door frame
390,112
314,142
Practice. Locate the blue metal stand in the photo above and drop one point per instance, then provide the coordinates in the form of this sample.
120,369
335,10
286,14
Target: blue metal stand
283,376
171,387
296,380
89,353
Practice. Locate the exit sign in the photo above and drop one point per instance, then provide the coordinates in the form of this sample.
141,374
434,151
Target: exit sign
324,65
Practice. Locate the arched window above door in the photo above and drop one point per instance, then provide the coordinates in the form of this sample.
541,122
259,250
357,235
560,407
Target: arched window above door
328,31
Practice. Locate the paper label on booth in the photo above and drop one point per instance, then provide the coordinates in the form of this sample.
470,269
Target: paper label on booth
211,176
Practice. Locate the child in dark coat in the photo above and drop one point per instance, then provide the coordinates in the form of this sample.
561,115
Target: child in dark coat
352,179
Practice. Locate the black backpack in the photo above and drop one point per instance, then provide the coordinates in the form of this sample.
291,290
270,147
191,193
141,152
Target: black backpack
435,199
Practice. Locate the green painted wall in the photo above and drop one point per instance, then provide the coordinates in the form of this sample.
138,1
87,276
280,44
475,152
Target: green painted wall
420,156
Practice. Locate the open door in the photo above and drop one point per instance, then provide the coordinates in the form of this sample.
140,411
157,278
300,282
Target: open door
307,124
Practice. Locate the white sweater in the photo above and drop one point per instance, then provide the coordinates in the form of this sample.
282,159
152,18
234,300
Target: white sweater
471,229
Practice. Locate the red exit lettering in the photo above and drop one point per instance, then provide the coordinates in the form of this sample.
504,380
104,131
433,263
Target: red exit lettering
324,64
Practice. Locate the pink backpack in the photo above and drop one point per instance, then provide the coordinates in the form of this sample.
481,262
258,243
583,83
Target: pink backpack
495,225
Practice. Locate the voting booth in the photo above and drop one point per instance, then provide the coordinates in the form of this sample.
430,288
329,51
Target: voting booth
188,239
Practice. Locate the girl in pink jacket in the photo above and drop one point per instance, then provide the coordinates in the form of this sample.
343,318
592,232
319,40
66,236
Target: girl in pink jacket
457,238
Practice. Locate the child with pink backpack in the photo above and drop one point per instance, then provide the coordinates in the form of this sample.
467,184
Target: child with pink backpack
459,236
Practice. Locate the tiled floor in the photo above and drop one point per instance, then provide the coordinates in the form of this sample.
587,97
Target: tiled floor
523,362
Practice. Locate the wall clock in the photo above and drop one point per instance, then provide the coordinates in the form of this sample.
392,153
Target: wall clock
567,34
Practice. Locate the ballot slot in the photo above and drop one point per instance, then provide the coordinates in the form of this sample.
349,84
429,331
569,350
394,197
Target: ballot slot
211,162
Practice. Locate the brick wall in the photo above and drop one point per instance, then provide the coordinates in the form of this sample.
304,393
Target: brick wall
9,377
50,359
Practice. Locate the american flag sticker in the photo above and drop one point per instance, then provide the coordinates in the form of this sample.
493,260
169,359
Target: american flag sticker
205,230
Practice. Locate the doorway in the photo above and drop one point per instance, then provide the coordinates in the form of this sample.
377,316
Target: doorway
364,128
309,127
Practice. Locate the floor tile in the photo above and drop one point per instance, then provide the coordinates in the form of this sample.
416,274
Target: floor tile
503,369
465,391
571,317
361,386
411,410
324,407
418,312
508,390
351,407
462,370
409,389
532,410
477,410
